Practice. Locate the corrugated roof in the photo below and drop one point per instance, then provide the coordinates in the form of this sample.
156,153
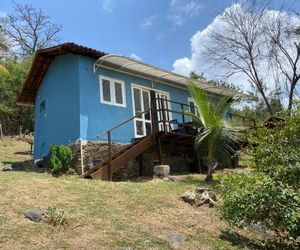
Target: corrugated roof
130,65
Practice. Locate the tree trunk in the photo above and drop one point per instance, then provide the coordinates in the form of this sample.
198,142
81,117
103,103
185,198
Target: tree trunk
291,95
209,176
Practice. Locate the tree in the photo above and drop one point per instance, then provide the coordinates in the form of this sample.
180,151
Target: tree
3,48
13,115
29,29
283,32
237,45
217,136
271,194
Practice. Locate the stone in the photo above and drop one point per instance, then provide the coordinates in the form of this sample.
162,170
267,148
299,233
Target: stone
35,215
258,228
189,196
174,240
161,170
200,196
7,168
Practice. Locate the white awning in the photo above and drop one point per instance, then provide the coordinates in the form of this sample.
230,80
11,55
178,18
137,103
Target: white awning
137,68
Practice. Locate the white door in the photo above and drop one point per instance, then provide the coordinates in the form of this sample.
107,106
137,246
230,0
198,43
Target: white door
141,102
162,104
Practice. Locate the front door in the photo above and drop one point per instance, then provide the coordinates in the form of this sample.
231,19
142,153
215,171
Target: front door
162,103
141,103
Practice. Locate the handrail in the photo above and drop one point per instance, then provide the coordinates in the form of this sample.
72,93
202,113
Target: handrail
122,123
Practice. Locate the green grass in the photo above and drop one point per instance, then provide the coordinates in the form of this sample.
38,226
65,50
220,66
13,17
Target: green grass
104,215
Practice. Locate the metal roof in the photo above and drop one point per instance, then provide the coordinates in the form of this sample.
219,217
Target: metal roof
130,65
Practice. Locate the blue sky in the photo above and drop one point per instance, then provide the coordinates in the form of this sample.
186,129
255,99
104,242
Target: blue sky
156,31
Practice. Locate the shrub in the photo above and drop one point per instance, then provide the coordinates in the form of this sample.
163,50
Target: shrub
258,198
56,217
60,159
271,194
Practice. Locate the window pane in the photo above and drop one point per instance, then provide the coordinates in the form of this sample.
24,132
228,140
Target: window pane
118,93
139,128
106,90
137,101
146,100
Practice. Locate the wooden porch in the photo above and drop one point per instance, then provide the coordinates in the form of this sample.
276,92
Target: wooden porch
178,133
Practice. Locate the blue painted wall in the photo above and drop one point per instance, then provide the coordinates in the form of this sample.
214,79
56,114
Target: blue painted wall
73,110
96,117
57,120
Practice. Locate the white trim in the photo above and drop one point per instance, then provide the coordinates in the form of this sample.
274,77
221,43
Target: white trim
143,120
157,91
112,82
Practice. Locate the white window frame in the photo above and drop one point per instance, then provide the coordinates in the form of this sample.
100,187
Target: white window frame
190,99
112,91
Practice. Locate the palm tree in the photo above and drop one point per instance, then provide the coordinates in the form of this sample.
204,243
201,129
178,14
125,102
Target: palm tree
3,47
217,134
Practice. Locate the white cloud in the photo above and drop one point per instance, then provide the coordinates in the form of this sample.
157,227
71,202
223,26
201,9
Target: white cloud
181,10
136,57
148,22
183,66
106,6
198,63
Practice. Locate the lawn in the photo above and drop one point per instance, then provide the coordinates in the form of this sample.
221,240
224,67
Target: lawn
103,215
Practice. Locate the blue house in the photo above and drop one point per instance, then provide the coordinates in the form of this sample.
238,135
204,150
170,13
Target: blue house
79,92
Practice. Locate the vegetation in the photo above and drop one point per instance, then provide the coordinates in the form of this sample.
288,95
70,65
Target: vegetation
271,195
215,140
22,32
60,159
259,43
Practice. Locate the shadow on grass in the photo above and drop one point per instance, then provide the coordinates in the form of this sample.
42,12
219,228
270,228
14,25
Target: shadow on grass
25,166
195,180
241,242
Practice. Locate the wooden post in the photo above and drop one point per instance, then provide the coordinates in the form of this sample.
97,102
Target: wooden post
182,109
154,117
159,150
163,114
109,155
141,164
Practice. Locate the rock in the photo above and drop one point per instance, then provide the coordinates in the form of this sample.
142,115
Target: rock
169,178
174,240
7,168
161,170
35,215
258,228
189,197
200,196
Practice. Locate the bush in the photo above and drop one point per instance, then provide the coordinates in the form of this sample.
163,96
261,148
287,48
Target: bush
60,159
56,217
271,194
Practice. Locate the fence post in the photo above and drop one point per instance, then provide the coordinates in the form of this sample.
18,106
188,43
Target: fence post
109,155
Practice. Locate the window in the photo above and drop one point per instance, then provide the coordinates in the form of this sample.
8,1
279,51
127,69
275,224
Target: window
112,91
192,106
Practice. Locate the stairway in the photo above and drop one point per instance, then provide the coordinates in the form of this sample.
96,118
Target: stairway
101,171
